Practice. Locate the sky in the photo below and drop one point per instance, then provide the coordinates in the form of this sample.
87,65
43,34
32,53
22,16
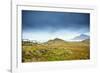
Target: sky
46,25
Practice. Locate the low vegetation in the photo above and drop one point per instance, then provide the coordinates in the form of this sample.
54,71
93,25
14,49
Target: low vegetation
54,50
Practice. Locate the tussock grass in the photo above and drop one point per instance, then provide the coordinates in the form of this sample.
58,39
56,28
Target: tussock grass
55,52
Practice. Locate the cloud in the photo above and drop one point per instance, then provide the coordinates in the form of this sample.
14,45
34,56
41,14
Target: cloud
44,25
44,20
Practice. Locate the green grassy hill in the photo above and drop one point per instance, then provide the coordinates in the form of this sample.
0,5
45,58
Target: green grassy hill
55,50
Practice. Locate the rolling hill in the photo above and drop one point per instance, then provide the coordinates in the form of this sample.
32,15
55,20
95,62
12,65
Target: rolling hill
56,41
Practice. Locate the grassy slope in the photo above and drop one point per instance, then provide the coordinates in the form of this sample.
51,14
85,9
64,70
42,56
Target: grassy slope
55,51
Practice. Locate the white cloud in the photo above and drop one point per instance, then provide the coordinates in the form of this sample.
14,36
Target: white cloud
45,36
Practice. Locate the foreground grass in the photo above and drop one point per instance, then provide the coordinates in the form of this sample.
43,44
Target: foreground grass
55,52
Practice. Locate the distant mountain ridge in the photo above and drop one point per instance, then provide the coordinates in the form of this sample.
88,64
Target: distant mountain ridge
81,37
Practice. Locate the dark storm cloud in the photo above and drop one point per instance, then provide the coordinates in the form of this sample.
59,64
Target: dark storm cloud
52,21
